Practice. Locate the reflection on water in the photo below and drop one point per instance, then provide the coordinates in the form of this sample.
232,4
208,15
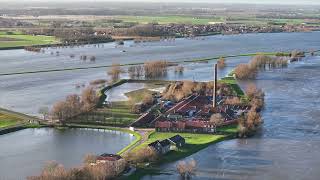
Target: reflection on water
288,145
25,152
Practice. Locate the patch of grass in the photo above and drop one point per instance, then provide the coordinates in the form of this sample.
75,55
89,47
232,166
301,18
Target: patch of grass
191,139
8,120
17,39
230,80
138,95
230,129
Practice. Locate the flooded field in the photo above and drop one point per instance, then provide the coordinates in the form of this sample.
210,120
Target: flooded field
287,147
44,89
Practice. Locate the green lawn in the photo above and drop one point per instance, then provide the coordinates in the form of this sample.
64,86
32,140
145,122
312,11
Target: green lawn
170,19
8,120
193,141
230,80
17,39
138,95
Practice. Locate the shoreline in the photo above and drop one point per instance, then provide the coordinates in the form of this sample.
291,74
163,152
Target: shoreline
131,38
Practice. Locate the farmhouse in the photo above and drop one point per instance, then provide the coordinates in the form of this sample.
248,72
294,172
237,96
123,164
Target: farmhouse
177,141
164,146
113,160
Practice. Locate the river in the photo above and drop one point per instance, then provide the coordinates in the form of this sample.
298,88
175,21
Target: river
44,89
289,143
286,148
24,153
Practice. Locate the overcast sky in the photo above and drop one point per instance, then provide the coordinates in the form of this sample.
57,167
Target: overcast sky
194,1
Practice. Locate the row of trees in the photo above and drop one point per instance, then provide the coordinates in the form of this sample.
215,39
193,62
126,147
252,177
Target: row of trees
91,169
74,105
249,122
259,62
150,70
179,90
155,69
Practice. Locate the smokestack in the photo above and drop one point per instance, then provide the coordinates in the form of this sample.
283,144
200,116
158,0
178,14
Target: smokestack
215,86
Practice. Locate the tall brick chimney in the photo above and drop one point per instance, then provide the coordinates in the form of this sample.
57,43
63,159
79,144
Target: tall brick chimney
215,86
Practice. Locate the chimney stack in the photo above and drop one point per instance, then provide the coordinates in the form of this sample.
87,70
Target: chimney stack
215,86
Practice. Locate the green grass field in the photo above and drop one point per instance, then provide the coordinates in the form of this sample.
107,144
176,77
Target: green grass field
230,80
8,120
138,95
16,39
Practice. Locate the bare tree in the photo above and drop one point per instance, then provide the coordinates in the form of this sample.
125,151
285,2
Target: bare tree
146,154
90,158
114,72
187,169
221,62
217,120
244,71
60,111
74,103
89,99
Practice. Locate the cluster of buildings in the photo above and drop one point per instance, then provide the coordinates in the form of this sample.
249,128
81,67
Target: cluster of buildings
166,145
224,28
193,115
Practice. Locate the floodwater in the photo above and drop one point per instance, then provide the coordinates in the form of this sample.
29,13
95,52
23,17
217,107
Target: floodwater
27,93
24,153
289,144
287,147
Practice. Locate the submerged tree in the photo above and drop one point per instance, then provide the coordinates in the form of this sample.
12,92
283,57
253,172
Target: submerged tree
115,72
221,62
187,169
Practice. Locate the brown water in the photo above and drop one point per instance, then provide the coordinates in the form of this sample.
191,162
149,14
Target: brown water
289,144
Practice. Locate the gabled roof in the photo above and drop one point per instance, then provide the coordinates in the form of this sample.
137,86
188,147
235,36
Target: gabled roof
154,144
177,138
165,142
109,157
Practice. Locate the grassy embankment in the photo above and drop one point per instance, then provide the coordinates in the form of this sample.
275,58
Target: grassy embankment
7,120
17,39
